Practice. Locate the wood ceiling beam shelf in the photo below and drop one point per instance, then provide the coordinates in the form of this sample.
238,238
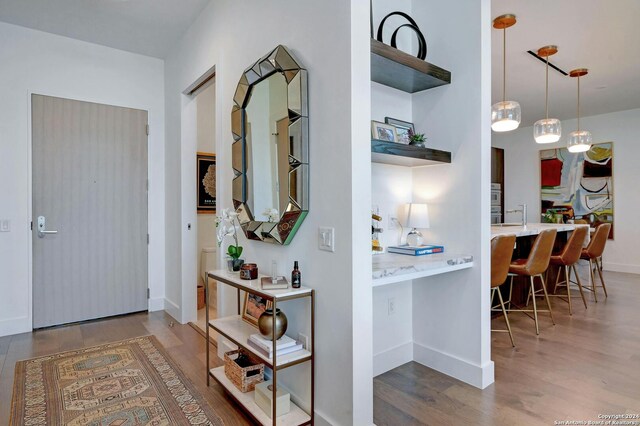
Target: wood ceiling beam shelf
397,69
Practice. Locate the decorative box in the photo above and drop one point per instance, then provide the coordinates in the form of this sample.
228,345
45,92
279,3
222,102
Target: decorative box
263,396
244,378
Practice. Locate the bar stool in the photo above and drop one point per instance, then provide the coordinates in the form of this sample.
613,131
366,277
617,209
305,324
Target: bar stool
501,252
533,266
567,260
593,253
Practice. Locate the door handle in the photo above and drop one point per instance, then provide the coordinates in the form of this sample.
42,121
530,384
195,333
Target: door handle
42,228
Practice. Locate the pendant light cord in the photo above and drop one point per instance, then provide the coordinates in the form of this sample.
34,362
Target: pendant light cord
504,65
546,93
578,103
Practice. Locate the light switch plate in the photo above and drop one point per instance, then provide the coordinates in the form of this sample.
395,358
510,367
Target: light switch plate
5,225
326,239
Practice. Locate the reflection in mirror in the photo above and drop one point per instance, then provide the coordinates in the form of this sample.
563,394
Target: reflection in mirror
270,148
267,124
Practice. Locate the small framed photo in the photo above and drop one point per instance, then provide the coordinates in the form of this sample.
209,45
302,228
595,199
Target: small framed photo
206,170
402,129
254,306
383,132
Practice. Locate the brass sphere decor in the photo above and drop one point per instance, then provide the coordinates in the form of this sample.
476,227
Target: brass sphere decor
265,324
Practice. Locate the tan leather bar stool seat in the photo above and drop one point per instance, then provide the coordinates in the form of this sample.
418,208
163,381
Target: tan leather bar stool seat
566,261
534,266
593,253
501,252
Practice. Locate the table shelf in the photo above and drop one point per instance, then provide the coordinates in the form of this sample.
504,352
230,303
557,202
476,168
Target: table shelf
295,417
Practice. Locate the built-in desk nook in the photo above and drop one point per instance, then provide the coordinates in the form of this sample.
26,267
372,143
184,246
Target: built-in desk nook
392,268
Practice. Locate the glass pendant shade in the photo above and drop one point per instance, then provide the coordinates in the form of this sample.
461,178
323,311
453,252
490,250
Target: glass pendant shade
505,116
579,141
547,130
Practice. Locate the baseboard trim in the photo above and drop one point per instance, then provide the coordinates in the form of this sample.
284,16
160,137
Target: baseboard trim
156,304
392,358
621,267
172,309
15,325
475,375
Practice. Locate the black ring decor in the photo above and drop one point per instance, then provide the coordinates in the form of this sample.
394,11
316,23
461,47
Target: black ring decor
422,43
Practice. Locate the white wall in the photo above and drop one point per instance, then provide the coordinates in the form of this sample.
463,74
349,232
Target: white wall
522,178
231,36
37,62
206,124
451,312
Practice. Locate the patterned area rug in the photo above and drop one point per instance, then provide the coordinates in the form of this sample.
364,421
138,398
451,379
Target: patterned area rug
127,383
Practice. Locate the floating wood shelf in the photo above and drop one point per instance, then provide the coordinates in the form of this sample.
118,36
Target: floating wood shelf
406,155
397,69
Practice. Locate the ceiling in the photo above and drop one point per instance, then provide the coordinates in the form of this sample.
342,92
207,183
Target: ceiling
147,27
601,35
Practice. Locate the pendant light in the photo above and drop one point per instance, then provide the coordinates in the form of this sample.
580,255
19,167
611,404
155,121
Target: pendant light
505,115
547,130
580,140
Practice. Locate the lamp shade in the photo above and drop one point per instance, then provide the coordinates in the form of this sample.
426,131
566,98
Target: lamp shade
417,216
579,141
505,116
547,130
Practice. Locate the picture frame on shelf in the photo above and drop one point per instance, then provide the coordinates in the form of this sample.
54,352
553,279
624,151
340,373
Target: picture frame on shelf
206,181
383,132
403,129
254,306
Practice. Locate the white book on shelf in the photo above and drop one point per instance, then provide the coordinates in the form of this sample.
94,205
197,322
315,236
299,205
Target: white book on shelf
267,345
280,351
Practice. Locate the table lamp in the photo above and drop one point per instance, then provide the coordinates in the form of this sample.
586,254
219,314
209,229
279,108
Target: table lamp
417,217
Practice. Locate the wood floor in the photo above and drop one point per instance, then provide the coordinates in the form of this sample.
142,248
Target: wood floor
184,344
586,365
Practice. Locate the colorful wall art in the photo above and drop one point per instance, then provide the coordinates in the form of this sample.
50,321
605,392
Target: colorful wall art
579,185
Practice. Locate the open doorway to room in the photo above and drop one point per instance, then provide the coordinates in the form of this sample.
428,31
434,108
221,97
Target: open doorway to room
206,222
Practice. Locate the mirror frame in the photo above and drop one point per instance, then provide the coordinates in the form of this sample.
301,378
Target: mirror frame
279,60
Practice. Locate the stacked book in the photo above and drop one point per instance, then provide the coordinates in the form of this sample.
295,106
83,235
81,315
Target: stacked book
415,250
284,345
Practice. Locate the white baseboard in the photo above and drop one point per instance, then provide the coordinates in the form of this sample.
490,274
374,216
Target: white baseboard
172,309
392,358
621,267
15,325
156,304
475,375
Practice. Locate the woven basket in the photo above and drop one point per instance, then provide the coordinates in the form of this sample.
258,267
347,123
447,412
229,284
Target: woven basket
238,375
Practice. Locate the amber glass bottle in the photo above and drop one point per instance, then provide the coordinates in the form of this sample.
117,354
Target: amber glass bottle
296,277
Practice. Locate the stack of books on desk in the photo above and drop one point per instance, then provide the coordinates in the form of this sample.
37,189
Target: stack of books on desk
415,250
284,345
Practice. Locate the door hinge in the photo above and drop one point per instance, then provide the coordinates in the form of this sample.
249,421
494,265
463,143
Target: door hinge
148,293
147,129
31,226
147,239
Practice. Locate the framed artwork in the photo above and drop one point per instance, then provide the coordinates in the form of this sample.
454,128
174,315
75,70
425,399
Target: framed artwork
383,132
206,174
254,306
579,185
402,129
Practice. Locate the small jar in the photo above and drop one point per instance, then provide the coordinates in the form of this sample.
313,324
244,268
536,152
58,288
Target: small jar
249,271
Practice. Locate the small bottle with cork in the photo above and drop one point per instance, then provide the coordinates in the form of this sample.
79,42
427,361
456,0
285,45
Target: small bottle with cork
296,276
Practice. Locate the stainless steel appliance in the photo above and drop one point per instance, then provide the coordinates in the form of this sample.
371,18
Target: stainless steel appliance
496,203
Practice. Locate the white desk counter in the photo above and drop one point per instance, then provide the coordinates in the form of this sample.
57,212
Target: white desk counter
389,268
531,228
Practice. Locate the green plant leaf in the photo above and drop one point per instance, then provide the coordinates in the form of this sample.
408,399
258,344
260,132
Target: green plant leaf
234,251
239,250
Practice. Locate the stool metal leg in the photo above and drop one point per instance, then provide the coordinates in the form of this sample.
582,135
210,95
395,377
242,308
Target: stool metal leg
566,277
535,308
599,267
546,296
575,272
506,318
